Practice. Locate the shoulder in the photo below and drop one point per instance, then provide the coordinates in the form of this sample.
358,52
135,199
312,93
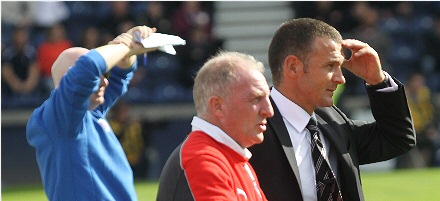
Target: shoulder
201,148
329,113
199,143
8,53
334,117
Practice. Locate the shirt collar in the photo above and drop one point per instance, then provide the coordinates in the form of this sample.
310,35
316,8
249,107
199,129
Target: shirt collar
290,111
219,135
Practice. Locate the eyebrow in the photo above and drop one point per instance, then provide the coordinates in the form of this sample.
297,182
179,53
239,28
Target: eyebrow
258,93
338,60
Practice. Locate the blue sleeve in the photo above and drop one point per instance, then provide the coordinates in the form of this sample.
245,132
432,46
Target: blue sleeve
65,109
118,85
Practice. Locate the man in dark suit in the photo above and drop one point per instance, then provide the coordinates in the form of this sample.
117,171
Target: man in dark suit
306,57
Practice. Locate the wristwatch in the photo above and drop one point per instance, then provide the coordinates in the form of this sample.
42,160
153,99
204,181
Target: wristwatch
384,84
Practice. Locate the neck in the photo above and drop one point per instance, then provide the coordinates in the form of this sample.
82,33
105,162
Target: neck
297,98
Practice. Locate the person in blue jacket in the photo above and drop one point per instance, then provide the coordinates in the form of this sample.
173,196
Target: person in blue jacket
78,154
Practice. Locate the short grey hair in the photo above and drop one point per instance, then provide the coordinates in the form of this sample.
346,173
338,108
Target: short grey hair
217,75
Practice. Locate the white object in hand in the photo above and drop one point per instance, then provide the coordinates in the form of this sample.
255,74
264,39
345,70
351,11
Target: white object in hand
163,42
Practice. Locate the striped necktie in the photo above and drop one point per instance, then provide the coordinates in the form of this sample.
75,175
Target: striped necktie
326,185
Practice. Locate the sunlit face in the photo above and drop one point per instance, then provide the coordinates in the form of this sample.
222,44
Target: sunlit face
97,98
321,74
246,108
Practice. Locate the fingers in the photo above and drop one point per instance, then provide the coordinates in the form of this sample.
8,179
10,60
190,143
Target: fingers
148,31
359,48
346,64
144,31
123,38
354,45
129,39
364,61
362,52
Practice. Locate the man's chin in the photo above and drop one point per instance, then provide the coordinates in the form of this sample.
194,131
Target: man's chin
260,139
328,102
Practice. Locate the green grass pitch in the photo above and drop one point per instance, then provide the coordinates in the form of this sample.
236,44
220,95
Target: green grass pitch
403,185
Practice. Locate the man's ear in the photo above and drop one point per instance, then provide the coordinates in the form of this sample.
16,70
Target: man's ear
291,65
215,105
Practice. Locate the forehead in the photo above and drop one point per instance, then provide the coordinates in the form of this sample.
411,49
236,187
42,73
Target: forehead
251,83
328,49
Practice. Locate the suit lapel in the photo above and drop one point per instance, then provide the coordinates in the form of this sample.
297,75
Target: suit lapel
348,171
281,132
331,134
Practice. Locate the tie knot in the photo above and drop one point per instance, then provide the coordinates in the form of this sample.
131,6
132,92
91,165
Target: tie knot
312,125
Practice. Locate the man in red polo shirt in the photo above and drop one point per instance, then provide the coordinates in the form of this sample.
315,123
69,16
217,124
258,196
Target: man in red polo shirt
231,96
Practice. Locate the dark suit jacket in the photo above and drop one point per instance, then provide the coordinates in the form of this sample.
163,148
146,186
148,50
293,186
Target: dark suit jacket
173,185
355,143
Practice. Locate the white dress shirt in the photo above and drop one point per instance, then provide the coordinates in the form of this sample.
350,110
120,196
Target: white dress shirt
296,119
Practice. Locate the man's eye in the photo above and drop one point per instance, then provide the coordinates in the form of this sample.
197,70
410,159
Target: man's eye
257,100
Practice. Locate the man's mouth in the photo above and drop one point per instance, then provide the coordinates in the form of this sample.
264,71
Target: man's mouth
263,126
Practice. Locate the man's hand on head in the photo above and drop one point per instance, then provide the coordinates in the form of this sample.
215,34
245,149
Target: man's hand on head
364,61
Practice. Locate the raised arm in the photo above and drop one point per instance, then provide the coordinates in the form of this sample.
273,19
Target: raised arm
123,49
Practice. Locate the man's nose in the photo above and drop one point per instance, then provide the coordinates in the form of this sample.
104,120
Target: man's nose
338,77
267,110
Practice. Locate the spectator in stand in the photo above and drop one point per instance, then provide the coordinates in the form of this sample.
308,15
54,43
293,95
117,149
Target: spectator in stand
431,62
368,31
49,50
193,23
120,13
50,14
38,15
128,129
20,71
197,50
155,16
336,13
16,14
190,14
405,29
425,117
90,38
